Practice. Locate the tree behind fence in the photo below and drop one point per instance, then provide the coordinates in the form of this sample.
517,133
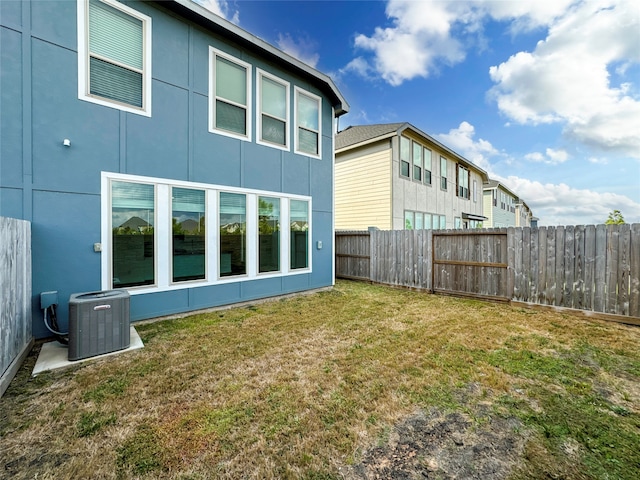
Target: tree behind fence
592,268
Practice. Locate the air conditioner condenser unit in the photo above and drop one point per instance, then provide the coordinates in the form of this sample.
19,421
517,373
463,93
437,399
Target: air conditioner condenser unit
98,323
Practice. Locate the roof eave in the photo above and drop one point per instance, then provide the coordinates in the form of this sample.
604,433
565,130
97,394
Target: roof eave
200,15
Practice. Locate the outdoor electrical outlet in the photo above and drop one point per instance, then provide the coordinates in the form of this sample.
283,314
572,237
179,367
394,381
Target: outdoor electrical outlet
319,244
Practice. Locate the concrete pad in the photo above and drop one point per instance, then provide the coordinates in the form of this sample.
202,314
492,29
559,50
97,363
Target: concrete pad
54,355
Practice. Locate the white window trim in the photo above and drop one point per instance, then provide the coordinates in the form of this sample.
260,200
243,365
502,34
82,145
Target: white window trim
83,59
261,73
299,91
213,53
162,228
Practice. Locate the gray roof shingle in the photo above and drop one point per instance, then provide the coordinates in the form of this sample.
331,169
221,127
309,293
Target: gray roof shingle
361,133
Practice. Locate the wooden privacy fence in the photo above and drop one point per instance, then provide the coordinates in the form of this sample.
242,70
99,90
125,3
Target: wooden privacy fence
590,268
16,337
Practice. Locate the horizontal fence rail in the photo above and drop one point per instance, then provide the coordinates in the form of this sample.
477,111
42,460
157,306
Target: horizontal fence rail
592,268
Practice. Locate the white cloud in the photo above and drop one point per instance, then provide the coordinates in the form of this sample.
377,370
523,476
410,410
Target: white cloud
420,39
461,140
304,49
566,79
559,204
220,8
551,156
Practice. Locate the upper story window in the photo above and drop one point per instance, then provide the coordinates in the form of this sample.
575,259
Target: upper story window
273,110
417,161
114,56
230,91
475,191
443,173
427,166
463,182
308,118
405,156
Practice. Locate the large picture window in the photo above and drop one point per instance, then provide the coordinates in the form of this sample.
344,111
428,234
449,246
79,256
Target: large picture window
308,120
233,234
114,56
273,119
188,234
299,234
229,95
159,234
133,236
268,234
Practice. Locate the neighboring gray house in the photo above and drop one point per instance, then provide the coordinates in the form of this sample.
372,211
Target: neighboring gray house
394,176
153,113
503,208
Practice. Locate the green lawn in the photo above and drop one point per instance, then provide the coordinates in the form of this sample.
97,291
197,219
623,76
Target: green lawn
321,386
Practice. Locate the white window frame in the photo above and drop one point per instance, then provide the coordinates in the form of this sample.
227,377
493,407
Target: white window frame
163,233
206,249
107,229
83,59
213,53
299,91
260,74
444,177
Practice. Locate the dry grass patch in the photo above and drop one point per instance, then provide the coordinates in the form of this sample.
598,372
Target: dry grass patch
309,387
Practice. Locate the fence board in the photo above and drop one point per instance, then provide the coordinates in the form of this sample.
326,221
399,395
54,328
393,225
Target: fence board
634,271
624,241
611,269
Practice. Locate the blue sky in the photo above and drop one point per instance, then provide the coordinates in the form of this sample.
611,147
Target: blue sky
543,95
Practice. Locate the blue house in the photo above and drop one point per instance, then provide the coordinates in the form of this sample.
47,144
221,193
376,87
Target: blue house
159,148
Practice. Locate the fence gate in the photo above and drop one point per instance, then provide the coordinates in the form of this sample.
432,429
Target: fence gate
472,263
353,255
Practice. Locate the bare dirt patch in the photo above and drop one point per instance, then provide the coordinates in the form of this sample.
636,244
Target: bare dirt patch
443,446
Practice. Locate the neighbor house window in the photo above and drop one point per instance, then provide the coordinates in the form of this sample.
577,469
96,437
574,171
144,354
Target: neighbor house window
268,234
273,118
427,220
419,221
307,120
417,161
463,181
427,166
299,234
443,222
188,234
114,56
133,234
408,220
405,156
443,173
475,191
457,222
233,234
230,87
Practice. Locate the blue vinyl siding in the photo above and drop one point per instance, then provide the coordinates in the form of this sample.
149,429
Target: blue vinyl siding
58,188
